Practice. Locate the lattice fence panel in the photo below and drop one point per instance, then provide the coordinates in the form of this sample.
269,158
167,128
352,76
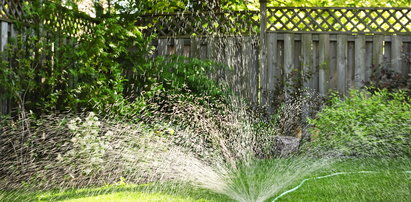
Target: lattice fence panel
11,9
191,24
61,19
348,20
70,23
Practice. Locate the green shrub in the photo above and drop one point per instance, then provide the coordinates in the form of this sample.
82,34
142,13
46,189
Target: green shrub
365,124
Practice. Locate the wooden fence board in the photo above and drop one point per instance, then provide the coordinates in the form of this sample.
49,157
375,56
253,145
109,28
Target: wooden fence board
4,29
324,61
406,60
253,66
288,61
386,56
341,72
359,75
350,65
162,46
195,47
273,68
396,46
333,65
316,65
179,46
368,60
377,50
307,64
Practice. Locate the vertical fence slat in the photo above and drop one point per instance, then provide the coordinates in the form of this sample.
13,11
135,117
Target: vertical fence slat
230,61
263,54
333,65
316,65
341,63
405,64
324,60
359,72
254,66
350,65
247,52
377,50
179,45
162,46
288,61
307,62
396,45
273,69
264,68
195,47
3,42
368,60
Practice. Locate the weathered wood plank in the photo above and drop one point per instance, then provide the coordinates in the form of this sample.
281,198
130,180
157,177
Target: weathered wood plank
4,35
4,28
368,60
162,47
406,61
273,70
350,65
387,55
324,64
396,46
264,66
248,70
342,63
230,57
288,62
179,45
316,65
359,68
333,65
307,61
254,68
377,50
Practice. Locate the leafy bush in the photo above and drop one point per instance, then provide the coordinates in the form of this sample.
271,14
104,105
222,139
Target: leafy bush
57,71
365,124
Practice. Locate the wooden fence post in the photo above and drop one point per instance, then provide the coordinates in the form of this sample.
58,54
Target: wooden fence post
262,56
273,70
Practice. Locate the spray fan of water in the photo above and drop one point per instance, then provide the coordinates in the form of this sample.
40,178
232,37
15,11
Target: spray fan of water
217,153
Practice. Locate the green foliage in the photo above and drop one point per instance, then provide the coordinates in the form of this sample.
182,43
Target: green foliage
54,71
105,70
179,75
365,124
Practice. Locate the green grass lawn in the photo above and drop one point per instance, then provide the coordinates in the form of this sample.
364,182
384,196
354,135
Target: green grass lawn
388,183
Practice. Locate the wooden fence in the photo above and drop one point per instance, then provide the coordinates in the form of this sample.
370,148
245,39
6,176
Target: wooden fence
330,61
335,48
